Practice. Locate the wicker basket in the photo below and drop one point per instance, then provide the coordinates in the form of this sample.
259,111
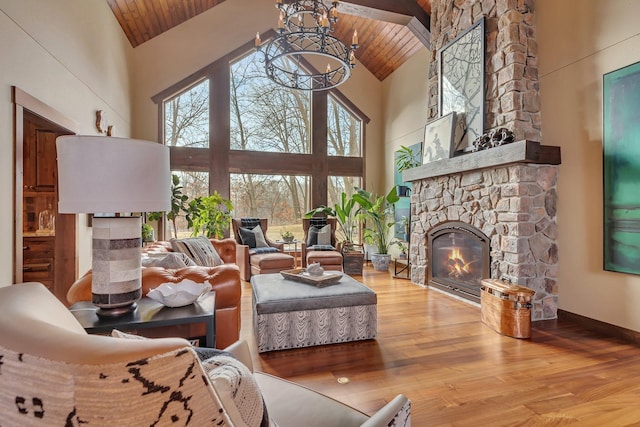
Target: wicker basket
506,308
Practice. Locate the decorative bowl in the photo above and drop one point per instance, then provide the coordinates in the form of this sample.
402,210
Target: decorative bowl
179,294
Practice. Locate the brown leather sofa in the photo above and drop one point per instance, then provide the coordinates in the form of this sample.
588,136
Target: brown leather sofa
225,280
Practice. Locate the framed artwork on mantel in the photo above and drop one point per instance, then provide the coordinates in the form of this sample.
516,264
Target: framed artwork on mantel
621,166
461,84
438,139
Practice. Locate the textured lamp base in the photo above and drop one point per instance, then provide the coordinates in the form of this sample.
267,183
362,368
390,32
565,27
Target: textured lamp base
116,284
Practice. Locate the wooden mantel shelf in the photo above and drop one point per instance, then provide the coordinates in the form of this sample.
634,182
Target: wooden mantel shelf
524,151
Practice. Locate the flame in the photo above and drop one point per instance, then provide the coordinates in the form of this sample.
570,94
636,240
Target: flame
456,264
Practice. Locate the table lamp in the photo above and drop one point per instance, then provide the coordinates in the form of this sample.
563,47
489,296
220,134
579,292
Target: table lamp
113,178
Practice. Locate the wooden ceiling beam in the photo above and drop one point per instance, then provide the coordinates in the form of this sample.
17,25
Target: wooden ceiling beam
403,12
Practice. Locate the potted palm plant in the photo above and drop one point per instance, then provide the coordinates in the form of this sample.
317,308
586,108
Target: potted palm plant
378,210
345,214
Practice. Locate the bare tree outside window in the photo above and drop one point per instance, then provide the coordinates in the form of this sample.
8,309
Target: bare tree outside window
186,118
270,196
264,115
343,131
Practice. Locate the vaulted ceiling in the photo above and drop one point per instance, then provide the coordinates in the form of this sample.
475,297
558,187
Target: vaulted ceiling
390,31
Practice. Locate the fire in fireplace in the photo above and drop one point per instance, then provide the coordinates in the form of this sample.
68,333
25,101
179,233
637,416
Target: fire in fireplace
458,259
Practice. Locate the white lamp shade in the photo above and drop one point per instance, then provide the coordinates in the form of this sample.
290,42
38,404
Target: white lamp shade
101,174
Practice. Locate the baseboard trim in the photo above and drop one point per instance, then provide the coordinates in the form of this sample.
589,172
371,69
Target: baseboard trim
601,327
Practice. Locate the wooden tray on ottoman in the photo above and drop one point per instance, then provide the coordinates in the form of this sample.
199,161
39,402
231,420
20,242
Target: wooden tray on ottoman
300,275
506,308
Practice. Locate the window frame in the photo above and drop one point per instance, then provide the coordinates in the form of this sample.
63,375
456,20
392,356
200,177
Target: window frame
220,161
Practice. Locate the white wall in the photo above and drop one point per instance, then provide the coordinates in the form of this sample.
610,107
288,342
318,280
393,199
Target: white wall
579,41
71,55
405,108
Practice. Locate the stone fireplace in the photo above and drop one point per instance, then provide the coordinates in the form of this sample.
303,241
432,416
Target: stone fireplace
505,196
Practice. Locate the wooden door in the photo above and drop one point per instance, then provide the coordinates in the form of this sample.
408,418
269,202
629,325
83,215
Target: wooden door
48,246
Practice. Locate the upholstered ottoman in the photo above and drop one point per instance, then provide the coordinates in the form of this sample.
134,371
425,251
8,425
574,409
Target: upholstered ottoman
329,260
271,262
290,314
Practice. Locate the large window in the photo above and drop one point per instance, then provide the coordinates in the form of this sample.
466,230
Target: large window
186,117
264,115
275,152
344,136
194,184
283,199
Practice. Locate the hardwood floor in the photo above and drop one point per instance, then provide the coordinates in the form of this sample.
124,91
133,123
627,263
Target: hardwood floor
458,372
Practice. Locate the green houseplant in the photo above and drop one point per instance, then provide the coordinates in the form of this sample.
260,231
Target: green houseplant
346,216
287,236
209,215
378,210
178,204
148,235
406,159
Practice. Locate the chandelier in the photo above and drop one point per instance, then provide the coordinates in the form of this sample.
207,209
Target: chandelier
304,32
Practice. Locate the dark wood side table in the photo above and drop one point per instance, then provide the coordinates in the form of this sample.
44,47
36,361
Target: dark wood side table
151,314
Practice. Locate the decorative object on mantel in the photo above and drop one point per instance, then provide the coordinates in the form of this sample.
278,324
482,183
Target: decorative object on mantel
438,139
621,154
493,138
523,151
461,82
304,32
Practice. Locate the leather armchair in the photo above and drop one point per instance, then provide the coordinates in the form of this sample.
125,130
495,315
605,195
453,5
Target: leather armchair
329,260
262,263
225,280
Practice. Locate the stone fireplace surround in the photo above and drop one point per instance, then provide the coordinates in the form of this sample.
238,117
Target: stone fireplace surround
507,192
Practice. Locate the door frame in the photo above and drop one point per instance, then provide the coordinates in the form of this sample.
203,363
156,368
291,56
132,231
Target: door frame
22,102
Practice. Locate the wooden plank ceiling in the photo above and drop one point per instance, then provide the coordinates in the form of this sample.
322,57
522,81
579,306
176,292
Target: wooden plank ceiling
389,31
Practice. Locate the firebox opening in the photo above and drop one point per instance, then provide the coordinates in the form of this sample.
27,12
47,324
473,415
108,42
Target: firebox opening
458,259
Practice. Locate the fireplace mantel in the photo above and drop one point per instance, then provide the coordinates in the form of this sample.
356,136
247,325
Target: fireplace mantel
524,151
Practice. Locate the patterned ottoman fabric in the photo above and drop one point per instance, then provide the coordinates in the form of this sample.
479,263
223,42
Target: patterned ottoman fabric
289,314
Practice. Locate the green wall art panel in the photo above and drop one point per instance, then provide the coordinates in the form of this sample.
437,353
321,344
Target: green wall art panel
621,144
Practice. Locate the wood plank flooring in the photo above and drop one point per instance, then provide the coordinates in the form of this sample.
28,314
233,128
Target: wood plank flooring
458,372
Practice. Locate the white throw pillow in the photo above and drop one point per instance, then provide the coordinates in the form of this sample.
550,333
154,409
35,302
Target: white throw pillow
324,235
259,235
238,390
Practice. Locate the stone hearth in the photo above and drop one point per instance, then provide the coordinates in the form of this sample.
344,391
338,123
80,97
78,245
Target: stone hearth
509,193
